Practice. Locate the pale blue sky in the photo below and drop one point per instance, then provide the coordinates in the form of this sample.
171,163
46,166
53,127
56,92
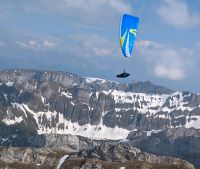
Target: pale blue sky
82,37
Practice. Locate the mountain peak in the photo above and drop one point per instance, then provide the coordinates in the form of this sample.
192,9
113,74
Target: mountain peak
69,79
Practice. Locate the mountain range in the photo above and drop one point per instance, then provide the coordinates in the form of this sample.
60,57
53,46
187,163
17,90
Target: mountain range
89,116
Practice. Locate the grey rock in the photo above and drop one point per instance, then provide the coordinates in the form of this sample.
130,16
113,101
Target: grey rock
78,100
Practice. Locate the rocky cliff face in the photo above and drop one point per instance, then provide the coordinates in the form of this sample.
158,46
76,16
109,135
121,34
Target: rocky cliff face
181,142
100,157
57,102
41,109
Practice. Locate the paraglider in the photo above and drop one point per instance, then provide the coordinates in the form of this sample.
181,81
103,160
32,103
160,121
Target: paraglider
128,31
123,75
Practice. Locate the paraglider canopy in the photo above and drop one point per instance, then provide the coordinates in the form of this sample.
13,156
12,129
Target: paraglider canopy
128,31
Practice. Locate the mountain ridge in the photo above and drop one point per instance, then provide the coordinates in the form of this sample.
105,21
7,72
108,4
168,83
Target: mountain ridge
51,75
36,105
52,100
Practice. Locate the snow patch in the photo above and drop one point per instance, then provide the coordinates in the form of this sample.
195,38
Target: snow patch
5,95
9,83
193,121
149,104
92,131
43,99
152,131
124,140
4,140
92,79
145,102
177,117
21,91
10,121
66,94
62,160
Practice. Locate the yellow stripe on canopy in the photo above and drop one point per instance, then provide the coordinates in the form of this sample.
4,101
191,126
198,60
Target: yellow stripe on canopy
133,31
122,39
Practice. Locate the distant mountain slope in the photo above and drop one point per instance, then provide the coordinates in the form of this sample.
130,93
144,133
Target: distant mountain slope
41,108
58,102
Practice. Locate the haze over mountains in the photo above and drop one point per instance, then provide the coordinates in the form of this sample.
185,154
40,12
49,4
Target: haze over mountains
53,109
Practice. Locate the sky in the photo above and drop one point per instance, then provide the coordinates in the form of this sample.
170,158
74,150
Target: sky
82,37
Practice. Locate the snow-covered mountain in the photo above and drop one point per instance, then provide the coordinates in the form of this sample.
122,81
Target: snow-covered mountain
63,103
41,109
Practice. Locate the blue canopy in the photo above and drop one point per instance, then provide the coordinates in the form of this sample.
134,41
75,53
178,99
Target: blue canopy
128,31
